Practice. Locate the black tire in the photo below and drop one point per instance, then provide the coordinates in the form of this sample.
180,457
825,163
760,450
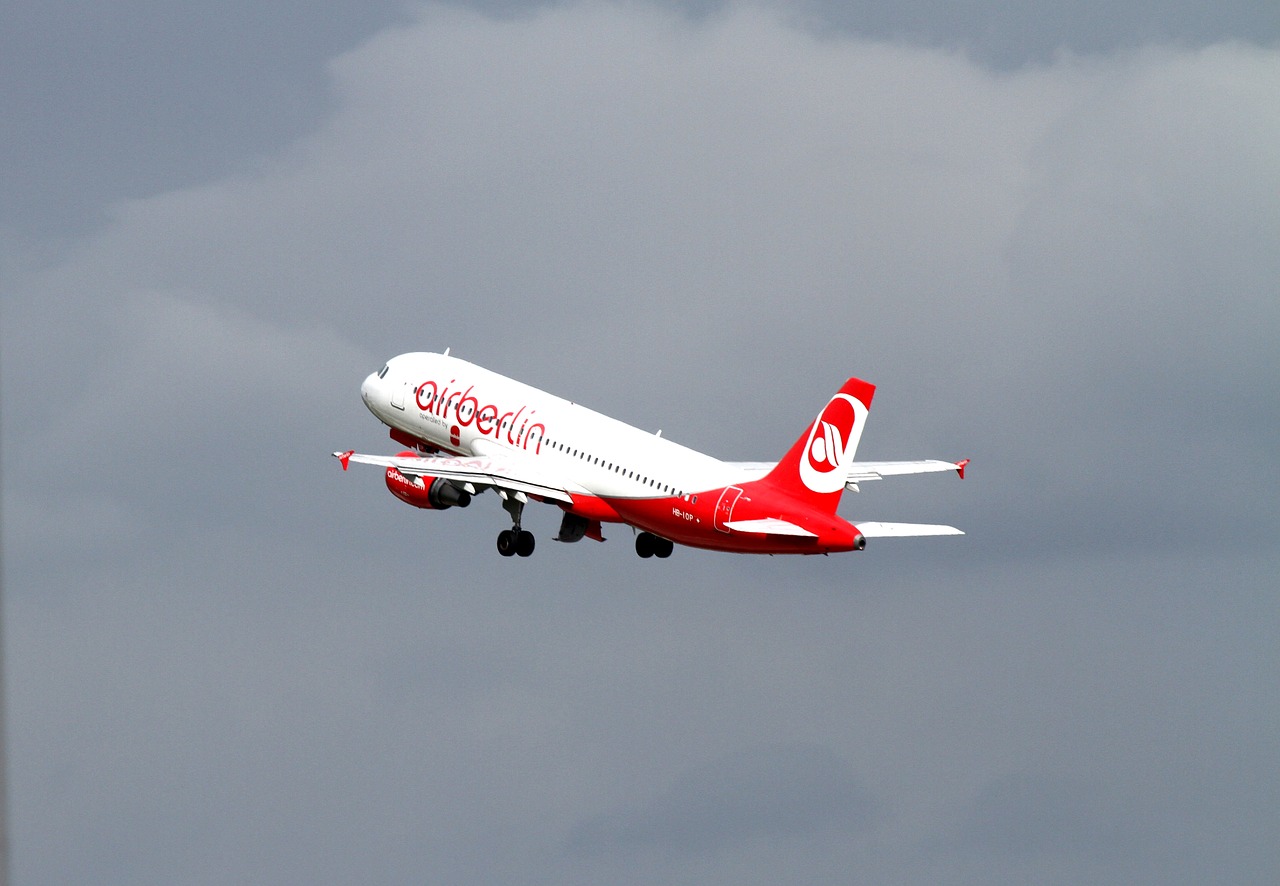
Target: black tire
663,547
524,543
506,543
644,545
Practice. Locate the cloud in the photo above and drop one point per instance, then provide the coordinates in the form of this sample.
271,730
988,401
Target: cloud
141,416
279,673
1030,814
783,792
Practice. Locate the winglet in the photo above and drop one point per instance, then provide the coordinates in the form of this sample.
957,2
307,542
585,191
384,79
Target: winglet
960,466
345,457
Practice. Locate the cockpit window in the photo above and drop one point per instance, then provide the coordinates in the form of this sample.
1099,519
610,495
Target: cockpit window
382,373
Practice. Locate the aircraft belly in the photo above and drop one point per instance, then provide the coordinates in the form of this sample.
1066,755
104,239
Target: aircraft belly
693,525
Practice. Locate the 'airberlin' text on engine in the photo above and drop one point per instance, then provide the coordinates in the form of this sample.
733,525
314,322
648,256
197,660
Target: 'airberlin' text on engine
516,428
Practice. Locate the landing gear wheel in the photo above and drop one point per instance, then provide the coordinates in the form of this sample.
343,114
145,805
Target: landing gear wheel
645,545
662,547
524,543
507,543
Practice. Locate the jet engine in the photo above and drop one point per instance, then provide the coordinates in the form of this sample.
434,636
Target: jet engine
421,491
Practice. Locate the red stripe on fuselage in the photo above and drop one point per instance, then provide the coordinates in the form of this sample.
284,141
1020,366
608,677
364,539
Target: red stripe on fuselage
690,520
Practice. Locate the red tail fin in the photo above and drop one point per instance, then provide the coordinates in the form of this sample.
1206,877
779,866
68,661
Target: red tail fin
816,468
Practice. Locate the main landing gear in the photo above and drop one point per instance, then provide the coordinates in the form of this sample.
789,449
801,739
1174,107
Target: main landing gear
515,541
650,545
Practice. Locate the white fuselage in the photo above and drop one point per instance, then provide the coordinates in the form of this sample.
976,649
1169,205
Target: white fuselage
468,410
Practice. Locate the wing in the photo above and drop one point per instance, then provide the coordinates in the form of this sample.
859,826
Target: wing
502,471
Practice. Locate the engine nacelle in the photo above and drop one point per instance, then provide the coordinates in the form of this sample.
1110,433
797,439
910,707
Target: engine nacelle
432,493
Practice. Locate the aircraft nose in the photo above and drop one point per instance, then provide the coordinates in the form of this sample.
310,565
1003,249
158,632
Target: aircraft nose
368,386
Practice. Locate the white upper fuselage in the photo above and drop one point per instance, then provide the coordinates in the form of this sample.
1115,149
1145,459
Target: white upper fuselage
468,410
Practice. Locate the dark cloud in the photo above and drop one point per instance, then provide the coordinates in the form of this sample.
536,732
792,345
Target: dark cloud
1012,35
146,97
140,97
231,660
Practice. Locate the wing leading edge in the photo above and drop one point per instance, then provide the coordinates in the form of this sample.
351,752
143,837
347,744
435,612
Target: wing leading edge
496,471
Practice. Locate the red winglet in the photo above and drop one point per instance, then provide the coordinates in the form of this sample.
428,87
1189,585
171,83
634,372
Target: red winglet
345,457
960,466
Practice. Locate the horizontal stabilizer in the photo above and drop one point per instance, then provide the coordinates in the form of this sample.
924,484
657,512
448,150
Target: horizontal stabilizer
862,471
770,526
904,530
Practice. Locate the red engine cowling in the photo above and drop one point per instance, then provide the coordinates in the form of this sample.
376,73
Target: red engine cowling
432,493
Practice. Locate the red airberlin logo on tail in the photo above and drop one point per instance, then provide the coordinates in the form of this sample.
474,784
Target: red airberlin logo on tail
824,465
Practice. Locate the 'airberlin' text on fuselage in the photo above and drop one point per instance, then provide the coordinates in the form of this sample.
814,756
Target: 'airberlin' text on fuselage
516,428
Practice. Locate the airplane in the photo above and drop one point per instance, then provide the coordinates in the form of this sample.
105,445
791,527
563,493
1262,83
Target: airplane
469,430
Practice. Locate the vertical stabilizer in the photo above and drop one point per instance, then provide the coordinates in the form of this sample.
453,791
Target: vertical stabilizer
816,468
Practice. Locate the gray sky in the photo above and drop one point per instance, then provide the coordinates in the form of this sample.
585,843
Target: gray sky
1047,235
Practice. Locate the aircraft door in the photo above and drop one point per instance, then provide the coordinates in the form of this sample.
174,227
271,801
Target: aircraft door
397,395
724,507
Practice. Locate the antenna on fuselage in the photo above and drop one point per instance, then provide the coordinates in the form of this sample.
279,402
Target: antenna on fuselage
446,351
